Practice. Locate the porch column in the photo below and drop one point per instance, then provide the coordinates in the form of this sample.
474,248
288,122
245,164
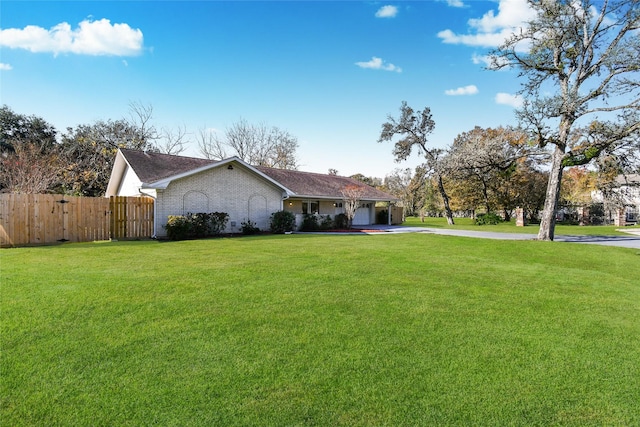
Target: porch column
389,213
620,220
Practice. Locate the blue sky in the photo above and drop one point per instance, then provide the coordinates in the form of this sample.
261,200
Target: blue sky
329,72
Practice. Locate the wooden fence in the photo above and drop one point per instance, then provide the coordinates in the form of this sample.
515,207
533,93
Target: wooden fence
38,219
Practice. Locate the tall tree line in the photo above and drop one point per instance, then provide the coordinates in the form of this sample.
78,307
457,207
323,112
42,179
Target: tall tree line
579,61
36,158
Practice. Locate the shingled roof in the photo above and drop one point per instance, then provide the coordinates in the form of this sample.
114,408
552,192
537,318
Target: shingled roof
307,184
152,167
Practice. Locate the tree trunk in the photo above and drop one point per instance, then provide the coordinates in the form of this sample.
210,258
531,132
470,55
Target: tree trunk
445,200
485,194
548,219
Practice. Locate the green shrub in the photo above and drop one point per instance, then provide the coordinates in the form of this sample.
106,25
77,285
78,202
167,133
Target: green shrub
196,225
247,227
178,227
282,222
310,223
200,224
488,219
218,222
326,223
341,221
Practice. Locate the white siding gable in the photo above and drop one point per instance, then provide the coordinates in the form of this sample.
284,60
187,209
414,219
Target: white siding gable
130,184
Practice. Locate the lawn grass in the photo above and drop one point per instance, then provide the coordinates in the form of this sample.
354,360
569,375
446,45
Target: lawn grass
407,329
510,227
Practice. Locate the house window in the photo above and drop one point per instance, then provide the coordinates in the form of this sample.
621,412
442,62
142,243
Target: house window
310,207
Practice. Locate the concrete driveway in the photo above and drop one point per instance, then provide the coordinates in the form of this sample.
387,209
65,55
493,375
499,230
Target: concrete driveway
631,241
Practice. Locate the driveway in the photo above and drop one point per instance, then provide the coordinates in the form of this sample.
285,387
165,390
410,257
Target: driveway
631,241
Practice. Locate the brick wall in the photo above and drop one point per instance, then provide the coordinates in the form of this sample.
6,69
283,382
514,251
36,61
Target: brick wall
238,192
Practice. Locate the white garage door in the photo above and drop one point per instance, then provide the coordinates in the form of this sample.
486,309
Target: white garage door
362,217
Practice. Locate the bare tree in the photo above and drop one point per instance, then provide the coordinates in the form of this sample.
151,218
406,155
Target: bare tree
29,169
211,147
172,141
140,119
398,183
165,140
581,62
259,145
351,197
414,129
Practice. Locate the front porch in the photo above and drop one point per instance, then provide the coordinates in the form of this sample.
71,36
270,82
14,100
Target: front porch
366,214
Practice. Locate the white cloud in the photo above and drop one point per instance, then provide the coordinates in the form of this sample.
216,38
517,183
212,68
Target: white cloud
5,67
487,60
378,64
481,59
492,29
455,3
514,101
387,12
479,40
89,38
466,90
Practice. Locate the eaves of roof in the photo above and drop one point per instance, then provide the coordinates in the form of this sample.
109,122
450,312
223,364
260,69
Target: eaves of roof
321,186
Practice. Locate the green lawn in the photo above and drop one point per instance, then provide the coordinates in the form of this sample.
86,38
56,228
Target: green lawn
370,330
510,227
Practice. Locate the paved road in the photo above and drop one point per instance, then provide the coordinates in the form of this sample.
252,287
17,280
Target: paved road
631,241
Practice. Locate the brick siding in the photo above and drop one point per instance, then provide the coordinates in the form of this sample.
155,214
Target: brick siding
238,192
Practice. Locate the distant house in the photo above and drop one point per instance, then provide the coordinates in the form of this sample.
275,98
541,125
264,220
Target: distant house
621,201
181,184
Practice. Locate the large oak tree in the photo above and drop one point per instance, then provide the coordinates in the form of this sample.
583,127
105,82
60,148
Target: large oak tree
487,157
413,129
580,61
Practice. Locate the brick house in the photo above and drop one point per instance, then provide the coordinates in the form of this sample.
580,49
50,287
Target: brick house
181,184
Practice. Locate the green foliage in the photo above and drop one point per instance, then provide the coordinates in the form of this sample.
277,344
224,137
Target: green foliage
178,227
326,223
200,224
312,222
488,219
309,223
333,331
382,217
18,128
196,225
341,221
91,150
218,222
581,158
510,227
248,228
282,222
